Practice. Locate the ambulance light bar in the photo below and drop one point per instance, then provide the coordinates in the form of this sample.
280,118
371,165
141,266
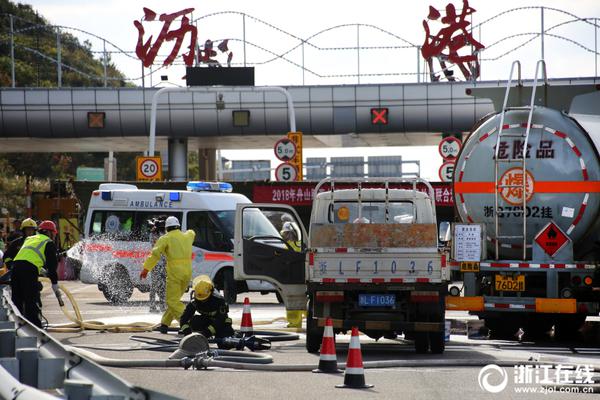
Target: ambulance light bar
197,186
106,195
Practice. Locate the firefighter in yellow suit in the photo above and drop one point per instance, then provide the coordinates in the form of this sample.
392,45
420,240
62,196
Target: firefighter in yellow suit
176,246
288,233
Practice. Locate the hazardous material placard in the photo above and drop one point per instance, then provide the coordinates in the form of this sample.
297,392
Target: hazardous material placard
551,239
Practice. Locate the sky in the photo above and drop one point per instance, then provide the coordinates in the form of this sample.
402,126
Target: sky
384,23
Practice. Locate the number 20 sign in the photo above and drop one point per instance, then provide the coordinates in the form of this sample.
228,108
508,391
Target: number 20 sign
148,168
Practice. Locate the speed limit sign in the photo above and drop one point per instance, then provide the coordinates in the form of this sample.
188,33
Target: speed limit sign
148,169
285,149
449,148
285,173
446,171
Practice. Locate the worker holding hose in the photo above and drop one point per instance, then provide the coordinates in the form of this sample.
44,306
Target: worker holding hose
38,252
212,307
176,246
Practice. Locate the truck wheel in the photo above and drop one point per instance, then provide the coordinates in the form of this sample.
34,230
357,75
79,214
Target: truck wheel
116,285
229,286
502,328
421,342
537,327
314,334
436,342
567,327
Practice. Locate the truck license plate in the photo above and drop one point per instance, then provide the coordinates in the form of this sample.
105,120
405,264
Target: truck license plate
376,300
510,283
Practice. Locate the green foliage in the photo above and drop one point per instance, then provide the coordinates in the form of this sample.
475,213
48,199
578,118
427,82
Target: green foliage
36,53
193,166
35,43
13,189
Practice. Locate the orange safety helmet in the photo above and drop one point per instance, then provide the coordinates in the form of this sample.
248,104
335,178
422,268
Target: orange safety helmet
47,226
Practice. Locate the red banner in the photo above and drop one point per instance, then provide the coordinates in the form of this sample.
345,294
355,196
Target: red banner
302,194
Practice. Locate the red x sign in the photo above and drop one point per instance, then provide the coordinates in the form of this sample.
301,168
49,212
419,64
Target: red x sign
379,116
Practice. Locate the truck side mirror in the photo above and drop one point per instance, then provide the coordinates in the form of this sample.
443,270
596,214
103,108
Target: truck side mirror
444,232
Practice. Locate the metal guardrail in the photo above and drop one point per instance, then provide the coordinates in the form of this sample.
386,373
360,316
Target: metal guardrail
34,365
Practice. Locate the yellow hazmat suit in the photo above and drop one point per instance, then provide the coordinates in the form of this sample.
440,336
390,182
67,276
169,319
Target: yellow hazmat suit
177,248
294,317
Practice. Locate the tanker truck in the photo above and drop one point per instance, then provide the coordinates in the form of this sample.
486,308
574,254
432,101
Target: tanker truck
527,197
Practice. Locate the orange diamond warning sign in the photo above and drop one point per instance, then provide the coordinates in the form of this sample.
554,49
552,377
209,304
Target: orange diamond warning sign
551,239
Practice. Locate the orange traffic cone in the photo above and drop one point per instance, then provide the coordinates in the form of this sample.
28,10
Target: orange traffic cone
327,358
246,326
354,376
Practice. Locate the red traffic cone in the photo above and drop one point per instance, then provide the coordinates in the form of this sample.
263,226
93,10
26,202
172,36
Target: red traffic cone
246,326
354,375
327,358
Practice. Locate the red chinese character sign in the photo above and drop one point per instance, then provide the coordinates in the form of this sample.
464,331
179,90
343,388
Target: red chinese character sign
147,51
445,45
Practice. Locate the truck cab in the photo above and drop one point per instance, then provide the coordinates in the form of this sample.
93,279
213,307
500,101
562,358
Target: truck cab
369,259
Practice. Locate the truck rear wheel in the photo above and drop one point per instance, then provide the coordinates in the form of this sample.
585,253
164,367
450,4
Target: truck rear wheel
566,327
436,342
116,285
314,334
421,342
502,328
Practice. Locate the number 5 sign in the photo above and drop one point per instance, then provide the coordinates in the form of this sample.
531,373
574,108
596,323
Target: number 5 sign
148,168
285,172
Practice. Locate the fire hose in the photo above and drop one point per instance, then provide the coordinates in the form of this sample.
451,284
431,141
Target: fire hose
264,362
78,324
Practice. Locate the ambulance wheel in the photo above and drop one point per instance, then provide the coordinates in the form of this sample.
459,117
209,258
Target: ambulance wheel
229,286
421,342
116,285
314,334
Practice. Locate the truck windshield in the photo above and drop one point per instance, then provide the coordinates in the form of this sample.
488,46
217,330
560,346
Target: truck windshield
255,223
374,212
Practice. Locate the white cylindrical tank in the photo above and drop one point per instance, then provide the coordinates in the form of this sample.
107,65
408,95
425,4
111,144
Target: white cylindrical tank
562,175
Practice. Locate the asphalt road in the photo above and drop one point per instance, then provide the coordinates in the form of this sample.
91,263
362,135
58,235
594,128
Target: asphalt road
424,382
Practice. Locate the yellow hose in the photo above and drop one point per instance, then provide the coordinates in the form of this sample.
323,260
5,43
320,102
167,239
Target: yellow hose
78,324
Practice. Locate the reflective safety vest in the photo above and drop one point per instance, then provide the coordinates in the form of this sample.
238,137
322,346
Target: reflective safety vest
33,250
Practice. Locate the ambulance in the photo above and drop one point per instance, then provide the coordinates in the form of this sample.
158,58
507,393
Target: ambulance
117,237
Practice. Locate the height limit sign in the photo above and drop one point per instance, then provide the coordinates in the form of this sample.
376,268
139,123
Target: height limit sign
148,168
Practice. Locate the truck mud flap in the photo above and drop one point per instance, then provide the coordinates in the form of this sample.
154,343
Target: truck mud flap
385,325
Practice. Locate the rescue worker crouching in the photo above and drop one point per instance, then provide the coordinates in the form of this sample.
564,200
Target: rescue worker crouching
176,246
213,319
288,234
38,251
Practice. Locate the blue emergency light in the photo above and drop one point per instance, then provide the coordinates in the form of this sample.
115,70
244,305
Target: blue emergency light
199,186
106,195
175,196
